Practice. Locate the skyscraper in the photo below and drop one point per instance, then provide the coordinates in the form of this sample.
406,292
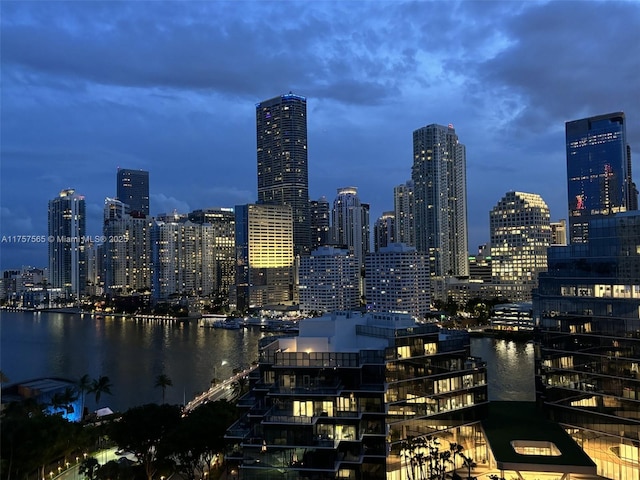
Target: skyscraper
133,190
319,217
520,236
440,195
67,259
587,307
598,171
264,255
283,177
404,208
350,223
384,231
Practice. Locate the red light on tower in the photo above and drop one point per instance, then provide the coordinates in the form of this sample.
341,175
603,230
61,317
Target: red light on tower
451,125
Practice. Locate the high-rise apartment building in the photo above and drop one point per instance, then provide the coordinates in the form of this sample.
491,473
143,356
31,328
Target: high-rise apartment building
67,234
182,259
283,177
587,307
397,280
319,213
350,223
223,223
133,191
404,209
264,256
329,281
440,196
599,181
520,235
127,250
384,231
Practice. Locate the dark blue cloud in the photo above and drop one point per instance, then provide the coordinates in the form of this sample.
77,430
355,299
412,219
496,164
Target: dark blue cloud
170,87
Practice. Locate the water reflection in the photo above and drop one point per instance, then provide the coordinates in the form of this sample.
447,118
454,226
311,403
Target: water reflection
133,352
510,368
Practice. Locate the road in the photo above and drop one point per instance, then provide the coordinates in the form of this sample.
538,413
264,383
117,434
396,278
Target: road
220,391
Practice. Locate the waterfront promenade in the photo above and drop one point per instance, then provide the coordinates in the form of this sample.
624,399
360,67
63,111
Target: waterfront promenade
219,391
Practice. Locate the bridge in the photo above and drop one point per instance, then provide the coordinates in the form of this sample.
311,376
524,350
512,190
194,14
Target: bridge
220,391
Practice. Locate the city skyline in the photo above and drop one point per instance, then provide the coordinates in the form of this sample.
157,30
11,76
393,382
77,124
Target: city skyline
171,89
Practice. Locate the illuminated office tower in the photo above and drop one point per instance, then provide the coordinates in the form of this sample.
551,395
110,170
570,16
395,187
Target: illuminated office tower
440,196
329,281
384,231
520,235
350,223
319,213
404,208
264,255
127,250
599,178
133,191
397,280
283,177
587,307
223,223
67,259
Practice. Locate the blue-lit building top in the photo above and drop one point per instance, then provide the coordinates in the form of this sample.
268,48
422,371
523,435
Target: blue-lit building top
598,170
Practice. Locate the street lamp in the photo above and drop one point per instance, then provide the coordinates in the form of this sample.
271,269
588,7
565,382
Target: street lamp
215,372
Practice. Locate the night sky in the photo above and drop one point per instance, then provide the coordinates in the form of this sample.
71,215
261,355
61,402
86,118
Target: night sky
171,88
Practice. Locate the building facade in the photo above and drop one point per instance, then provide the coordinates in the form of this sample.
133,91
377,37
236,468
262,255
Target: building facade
320,216
283,176
404,209
223,224
67,235
133,190
183,262
340,400
440,198
264,256
520,235
397,280
587,307
350,223
599,179
329,280
127,250
384,231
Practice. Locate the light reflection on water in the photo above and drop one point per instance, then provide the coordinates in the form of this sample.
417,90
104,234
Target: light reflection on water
510,368
132,353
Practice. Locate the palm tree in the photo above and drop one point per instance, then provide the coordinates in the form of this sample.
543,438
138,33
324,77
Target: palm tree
163,381
239,386
84,385
100,385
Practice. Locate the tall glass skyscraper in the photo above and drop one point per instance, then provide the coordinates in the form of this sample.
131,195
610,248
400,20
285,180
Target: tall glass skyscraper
440,196
598,171
133,190
283,176
67,258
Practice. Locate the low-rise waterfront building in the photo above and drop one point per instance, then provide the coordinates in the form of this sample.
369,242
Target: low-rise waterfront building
341,399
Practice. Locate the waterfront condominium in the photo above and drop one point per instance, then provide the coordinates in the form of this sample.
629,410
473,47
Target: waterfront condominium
340,400
520,231
440,196
67,259
587,307
319,213
283,177
264,256
133,191
599,178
